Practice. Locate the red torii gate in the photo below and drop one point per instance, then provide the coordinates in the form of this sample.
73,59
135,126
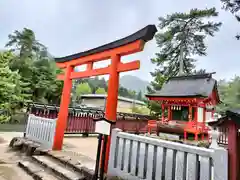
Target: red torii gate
114,50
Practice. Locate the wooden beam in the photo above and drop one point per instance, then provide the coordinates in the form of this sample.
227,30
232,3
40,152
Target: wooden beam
89,73
131,48
122,67
61,65
175,99
89,66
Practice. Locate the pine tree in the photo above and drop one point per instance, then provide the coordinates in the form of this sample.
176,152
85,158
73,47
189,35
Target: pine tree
234,7
181,37
9,90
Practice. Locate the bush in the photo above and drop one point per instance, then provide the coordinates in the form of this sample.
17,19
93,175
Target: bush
205,144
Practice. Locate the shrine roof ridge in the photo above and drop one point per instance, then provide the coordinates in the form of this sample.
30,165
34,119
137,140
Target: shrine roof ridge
194,76
200,85
145,34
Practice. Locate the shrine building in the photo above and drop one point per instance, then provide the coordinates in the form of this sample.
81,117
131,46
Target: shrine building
188,102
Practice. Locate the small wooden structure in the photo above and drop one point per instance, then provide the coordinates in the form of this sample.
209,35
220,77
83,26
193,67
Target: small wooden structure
190,102
229,126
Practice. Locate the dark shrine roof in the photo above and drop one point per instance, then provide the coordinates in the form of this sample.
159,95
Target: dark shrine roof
187,86
145,34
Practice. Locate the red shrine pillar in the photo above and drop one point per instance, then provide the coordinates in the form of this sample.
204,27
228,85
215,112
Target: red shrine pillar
163,109
63,112
232,150
169,112
190,113
112,99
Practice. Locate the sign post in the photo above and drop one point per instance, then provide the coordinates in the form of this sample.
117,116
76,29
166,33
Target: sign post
103,127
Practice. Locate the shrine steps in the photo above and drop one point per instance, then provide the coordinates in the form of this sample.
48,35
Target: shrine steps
42,164
36,171
47,168
57,168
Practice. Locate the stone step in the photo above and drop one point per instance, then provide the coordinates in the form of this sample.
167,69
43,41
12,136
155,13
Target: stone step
75,161
58,168
36,171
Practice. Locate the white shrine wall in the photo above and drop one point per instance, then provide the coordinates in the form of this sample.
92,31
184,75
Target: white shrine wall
207,114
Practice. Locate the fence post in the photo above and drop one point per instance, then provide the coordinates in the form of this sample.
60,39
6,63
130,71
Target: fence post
220,158
113,150
214,135
29,121
220,164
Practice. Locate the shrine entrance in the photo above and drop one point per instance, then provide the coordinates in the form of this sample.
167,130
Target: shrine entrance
113,51
182,113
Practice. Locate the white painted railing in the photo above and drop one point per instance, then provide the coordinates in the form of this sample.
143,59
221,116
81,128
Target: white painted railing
136,157
41,130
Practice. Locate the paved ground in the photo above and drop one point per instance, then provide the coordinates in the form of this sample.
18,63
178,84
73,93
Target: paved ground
8,159
86,146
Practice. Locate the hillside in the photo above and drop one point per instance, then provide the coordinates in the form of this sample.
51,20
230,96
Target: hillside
134,83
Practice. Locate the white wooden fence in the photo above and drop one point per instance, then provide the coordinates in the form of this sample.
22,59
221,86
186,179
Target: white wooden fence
41,130
136,157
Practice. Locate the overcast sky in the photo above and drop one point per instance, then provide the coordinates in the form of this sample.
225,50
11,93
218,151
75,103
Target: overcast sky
67,27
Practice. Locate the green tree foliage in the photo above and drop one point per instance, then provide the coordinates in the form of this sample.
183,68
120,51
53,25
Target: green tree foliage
100,91
24,42
229,94
37,69
96,83
234,7
83,88
139,96
184,32
140,110
9,92
124,92
44,75
181,38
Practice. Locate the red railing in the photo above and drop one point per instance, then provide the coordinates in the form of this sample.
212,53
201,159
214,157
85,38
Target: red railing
152,125
188,127
80,120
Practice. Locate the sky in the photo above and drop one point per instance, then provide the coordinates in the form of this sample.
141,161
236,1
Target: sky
72,26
